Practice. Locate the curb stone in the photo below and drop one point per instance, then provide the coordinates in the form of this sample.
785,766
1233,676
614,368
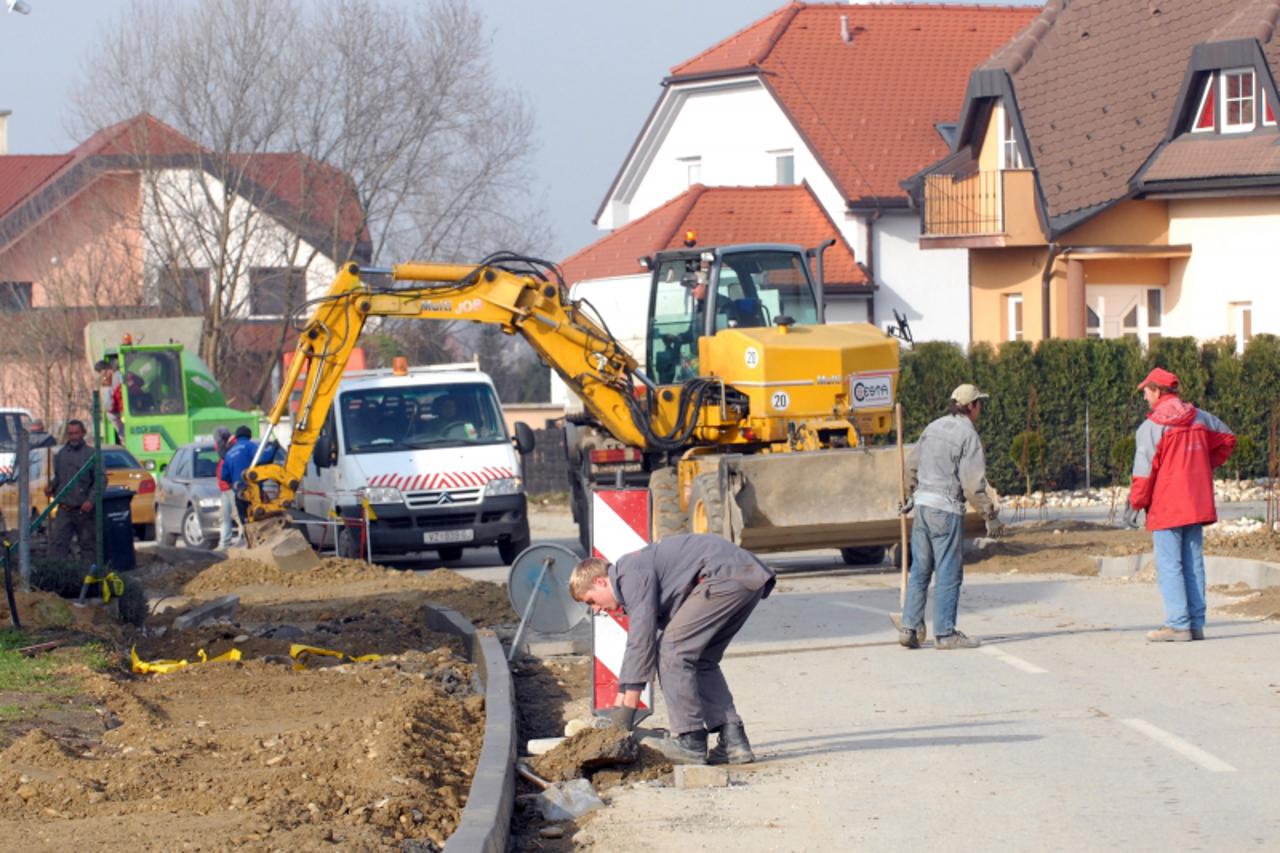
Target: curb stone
485,823
1257,574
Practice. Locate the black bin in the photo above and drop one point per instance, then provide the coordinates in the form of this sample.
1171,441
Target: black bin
117,528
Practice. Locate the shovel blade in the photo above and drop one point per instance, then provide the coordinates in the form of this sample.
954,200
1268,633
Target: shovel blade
568,800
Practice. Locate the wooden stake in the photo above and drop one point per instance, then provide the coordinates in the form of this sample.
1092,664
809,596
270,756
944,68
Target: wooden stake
902,499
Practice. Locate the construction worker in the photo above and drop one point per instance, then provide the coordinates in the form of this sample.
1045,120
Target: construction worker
75,508
222,441
697,590
235,462
39,435
946,468
1177,448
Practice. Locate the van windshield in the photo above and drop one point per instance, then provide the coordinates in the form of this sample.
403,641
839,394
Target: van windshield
380,420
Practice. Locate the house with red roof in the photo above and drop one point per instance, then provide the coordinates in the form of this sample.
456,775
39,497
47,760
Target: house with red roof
140,220
1116,173
838,103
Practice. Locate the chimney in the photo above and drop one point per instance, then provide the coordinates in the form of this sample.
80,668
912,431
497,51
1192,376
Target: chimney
845,35
4,131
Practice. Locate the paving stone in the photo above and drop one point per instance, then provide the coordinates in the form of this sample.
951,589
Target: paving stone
701,776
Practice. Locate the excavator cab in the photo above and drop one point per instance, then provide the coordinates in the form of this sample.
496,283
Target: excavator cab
697,293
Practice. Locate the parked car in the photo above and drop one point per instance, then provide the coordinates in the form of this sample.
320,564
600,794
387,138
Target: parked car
188,504
123,469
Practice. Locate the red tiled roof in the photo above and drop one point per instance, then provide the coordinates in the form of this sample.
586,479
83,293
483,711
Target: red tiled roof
868,107
22,173
721,216
322,195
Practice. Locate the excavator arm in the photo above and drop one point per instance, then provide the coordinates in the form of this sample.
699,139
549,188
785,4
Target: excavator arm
524,302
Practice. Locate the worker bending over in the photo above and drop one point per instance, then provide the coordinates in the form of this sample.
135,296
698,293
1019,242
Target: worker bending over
686,598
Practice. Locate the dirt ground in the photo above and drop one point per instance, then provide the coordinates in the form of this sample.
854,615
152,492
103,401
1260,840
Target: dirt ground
260,753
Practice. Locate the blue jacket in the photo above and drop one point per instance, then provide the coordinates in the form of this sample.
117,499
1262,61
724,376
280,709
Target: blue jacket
236,462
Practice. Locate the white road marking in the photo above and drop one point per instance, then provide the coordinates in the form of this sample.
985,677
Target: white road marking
862,607
1013,660
1180,746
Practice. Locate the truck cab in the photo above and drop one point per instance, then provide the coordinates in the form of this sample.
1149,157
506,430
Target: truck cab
421,457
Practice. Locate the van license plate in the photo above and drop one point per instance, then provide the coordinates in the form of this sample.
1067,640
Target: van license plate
432,537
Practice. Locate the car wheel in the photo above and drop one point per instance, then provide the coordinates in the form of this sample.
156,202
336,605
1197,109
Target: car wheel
867,555
193,535
164,537
450,553
348,544
144,532
511,548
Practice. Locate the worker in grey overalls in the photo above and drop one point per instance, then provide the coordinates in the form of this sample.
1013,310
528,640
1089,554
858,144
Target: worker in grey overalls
697,590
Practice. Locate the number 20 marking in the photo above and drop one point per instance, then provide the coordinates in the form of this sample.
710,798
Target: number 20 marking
780,401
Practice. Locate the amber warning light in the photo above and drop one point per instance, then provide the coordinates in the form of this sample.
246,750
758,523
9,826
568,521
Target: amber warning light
691,238
400,366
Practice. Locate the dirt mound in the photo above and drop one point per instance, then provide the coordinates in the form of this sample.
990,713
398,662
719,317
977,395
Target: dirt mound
359,755
1067,547
1258,545
1262,603
587,750
651,765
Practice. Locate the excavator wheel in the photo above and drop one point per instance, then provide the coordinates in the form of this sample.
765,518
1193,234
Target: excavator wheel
665,517
706,505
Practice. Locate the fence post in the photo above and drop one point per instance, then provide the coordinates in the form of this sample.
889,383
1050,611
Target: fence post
97,481
23,461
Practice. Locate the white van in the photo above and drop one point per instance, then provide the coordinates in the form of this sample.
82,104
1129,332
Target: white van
428,450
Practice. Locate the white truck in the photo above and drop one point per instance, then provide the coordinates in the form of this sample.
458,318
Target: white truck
420,458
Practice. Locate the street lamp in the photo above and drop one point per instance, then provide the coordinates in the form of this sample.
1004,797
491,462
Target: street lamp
19,6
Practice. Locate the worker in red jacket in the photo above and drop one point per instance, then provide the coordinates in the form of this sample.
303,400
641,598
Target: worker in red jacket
1178,446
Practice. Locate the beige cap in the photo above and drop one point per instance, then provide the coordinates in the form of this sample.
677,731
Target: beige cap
966,394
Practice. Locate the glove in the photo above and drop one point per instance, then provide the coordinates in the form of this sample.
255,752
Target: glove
994,528
906,506
620,716
1131,516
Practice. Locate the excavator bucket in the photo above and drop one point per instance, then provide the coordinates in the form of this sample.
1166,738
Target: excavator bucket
832,499
273,540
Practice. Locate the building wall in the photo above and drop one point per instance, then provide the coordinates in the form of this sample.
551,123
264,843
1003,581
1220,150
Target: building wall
1232,260
998,274
931,287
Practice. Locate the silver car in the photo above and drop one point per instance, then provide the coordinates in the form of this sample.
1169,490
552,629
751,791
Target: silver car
188,503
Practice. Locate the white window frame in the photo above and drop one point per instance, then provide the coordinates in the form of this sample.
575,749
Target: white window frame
1204,96
1252,99
1265,100
779,156
1235,319
693,169
1014,331
1009,141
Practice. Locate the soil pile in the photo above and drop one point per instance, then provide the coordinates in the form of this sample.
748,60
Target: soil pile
649,766
1259,603
1067,547
588,750
1258,545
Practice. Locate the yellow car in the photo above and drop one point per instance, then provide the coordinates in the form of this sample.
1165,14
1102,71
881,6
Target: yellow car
124,470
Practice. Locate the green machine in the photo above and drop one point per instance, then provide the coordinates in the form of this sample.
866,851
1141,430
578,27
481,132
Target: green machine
169,396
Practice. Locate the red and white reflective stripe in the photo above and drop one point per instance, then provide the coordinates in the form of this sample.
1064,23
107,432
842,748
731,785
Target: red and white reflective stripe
442,479
619,525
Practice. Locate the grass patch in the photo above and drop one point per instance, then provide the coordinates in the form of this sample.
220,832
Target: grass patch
42,673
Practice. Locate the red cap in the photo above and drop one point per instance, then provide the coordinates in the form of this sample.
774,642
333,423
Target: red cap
1162,377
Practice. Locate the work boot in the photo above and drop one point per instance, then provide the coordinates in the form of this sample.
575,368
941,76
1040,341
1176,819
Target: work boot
732,746
921,630
907,638
1197,633
1168,635
688,748
956,640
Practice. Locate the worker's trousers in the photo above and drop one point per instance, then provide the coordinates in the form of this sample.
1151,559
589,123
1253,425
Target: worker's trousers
71,522
690,651
936,540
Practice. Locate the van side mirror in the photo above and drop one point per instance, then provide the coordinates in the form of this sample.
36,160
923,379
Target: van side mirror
524,438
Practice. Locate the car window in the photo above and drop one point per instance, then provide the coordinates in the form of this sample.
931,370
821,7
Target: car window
180,468
113,459
206,462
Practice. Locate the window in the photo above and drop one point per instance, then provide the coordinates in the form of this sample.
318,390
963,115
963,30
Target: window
1268,115
1010,153
784,167
1238,101
15,296
1206,112
1241,319
1013,315
1120,311
273,291
184,290
415,417
693,170
1092,323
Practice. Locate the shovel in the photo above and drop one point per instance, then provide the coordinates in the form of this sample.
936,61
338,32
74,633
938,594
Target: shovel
562,800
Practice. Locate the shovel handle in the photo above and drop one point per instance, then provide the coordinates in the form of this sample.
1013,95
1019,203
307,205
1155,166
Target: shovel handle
524,771
902,499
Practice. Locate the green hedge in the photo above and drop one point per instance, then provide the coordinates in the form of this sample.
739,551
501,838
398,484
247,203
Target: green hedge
1047,389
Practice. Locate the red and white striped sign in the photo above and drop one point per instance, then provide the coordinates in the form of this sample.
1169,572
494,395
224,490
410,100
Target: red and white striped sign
619,525
442,480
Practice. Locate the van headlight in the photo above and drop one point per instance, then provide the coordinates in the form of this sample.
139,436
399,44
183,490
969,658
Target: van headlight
383,495
503,486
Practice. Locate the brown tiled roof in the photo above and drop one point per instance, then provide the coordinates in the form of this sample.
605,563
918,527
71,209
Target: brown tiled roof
21,174
867,107
722,216
1096,83
1195,157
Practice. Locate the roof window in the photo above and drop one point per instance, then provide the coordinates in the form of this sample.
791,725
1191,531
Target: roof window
1239,112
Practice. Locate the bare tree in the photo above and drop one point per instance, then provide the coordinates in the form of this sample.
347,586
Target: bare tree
338,129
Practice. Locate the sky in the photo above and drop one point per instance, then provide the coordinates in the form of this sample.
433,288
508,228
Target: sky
590,69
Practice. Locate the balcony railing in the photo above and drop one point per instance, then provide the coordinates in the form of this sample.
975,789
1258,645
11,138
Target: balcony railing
964,205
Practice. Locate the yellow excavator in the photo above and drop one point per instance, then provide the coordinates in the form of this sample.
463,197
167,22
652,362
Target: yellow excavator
749,417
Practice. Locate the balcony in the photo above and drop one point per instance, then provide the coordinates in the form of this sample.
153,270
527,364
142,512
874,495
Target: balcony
983,209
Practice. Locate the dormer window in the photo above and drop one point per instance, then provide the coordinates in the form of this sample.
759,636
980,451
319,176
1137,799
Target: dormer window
1010,153
1238,101
1207,112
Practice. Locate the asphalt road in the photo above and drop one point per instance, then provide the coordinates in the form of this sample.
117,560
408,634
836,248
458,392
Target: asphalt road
1065,731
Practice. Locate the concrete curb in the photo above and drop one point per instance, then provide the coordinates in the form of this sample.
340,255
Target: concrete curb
1257,574
486,819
